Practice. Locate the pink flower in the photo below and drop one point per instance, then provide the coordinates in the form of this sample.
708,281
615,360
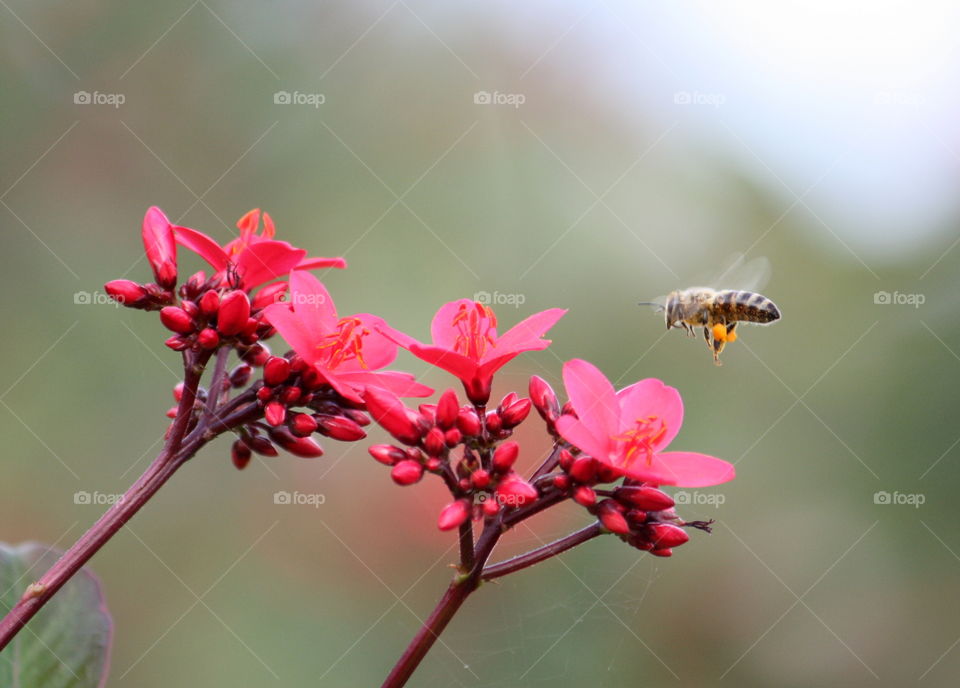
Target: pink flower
466,344
161,249
628,430
256,258
343,351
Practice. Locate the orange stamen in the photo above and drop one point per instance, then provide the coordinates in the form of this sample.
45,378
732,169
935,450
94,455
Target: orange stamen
346,343
642,438
476,324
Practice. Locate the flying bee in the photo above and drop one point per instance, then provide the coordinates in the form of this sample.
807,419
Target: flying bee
719,311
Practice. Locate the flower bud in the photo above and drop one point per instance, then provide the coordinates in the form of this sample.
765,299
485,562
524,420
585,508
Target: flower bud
452,437
272,293
387,409
261,445
468,423
480,479
210,303
176,320
161,248
208,338
515,491
490,507
406,472
544,399
454,515
662,552
494,424
340,428
276,370
386,453
178,343
290,395
584,496
240,376
583,469
433,442
611,518
178,391
516,413
304,447
233,313
274,413
643,497
666,535
256,355
561,482
447,409
565,460
126,293
303,425
505,456
240,454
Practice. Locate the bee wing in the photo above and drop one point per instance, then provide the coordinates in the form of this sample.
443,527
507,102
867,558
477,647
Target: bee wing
739,273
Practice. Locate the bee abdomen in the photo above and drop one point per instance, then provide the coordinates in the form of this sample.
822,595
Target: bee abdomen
747,306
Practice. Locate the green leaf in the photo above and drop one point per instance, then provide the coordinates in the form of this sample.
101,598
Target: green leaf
67,644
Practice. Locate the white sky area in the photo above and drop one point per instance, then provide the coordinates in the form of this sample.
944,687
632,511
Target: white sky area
858,100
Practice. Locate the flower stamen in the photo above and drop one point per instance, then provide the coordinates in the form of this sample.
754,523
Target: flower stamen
643,438
477,326
346,343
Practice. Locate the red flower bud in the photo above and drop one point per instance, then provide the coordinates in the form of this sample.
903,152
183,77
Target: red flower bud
544,399
452,437
583,469
447,409
178,391
433,442
290,395
637,517
240,454
161,247
494,424
387,409
566,459
276,370
585,496
666,535
125,292
515,491
561,482
612,519
274,413
433,464
208,338
507,400
468,423
662,552
240,375
607,473
233,313
261,445
178,343
176,319
643,497
340,428
480,479
387,453
272,293
256,355
428,412
304,447
303,425
265,394
505,456
210,303
490,507
454,515
406,472
190,308
516,413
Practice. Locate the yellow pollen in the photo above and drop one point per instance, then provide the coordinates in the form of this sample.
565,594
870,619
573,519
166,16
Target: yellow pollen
346,343
642,438
476,324
720,333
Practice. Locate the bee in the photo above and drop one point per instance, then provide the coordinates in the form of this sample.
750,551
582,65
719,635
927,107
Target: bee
718,311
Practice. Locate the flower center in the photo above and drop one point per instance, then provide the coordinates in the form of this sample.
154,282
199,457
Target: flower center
346,343
476,324
641,439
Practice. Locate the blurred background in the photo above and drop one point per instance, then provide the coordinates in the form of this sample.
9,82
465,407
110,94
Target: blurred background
580,154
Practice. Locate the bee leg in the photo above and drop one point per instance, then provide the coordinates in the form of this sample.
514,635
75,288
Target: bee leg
717,347
731,335
707,338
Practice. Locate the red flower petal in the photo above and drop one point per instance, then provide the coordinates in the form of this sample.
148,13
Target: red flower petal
593,398
525,335
684,469
647,398
202,245
453,363
579,435
316,263
442,330
267,260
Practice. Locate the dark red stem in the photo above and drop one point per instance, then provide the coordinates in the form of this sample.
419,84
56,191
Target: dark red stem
535,556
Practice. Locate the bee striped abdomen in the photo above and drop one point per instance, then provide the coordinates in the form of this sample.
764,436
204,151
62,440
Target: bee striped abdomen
746,306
